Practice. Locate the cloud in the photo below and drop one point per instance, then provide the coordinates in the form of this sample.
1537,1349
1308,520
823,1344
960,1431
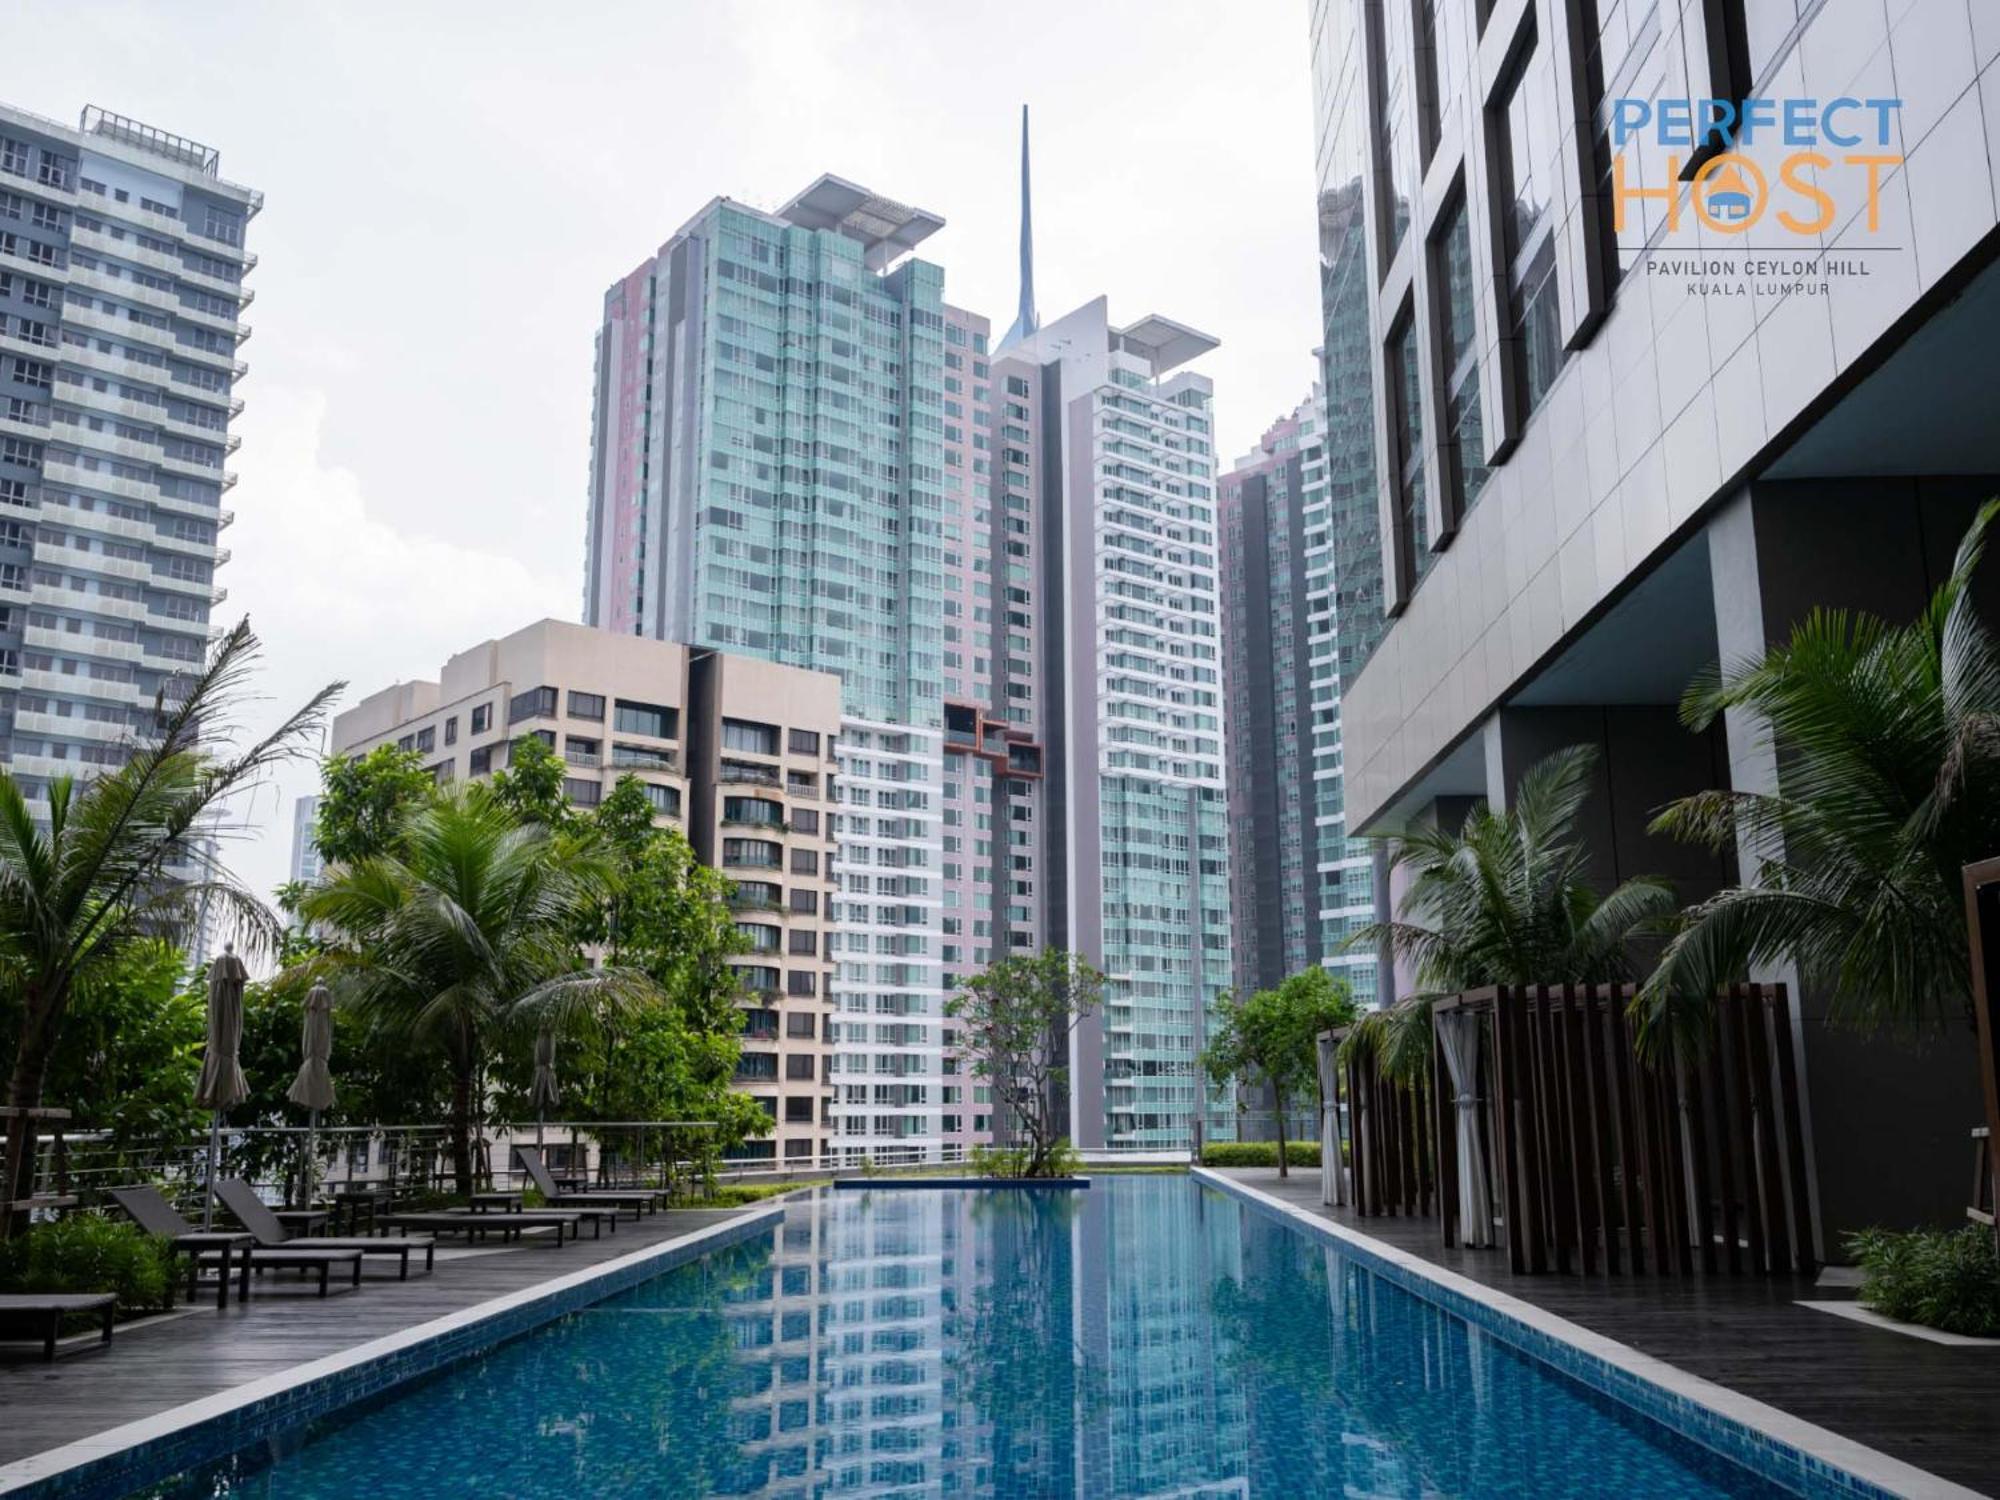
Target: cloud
341,591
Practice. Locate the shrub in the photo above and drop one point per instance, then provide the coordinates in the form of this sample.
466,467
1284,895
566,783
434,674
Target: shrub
88,1253
1259,1154
1013,1161
1947,1280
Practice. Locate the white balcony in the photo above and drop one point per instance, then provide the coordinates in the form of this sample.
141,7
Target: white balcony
124,288
214,284
78,685
91,604
47,767
99,521
92,562
56,472
126,249
193,587
11,345
97,362
109,445
194,469
41,432
184,507
14,258
79,393
72,726
41,638
129,329
239,331
161,541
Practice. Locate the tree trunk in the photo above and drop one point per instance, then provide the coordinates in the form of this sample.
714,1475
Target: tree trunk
461,1128
24,1092
1278,1093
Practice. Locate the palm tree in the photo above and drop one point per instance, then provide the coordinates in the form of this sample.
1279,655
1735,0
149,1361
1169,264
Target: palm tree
1506,900
1888,749
468,928
126,859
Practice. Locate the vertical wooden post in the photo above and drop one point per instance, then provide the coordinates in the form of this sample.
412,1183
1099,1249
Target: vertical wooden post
1603,1132
1444,1100
1506,1147
1631,1146
1982,924
1736,1042
1792,1112
1776,1232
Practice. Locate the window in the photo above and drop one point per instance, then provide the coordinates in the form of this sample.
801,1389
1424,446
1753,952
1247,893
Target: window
1464,434
798,1112
587,706
805,820
1406,427
481,760
579,751
742,734
482,718
1528,144
583,793
646,718
801,1067
805,903
451,730
805,862
665,799
759,979
802,742
802,943
801,982
757,938
1395,143
753,810
536,703
757,1065
14,157
427,739
756,854
759,893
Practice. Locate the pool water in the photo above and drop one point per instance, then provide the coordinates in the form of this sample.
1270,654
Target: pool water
1149,1336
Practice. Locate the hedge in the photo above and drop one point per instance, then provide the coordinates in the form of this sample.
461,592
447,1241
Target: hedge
1259,1154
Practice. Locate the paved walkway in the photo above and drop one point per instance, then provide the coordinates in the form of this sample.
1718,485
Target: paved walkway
148,1369
1927,1404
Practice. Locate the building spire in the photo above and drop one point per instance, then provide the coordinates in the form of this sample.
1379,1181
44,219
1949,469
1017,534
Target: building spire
1025,321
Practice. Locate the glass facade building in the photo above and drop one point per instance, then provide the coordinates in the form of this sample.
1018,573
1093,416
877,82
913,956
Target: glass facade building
1592,443
122,262
1299,885
769,478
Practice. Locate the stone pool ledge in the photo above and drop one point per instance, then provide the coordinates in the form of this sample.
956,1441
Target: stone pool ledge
1772,1443
120,1459
1024,1184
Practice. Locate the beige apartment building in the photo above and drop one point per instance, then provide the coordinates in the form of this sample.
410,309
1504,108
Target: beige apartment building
738,753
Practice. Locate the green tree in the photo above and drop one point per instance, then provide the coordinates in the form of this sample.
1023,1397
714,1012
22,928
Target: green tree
469,929
1272,1038
131,1049
1018,1014
1887,740
122,860
531,787
1507,899
365,801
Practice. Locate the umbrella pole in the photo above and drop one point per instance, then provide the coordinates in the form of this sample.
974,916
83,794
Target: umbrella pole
312,1158
214,1158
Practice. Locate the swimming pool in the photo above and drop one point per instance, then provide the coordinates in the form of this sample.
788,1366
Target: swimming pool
1147,1336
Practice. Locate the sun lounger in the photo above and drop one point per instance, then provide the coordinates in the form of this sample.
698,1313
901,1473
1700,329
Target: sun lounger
241,1199
155,1215
44,1311
508,1226
638,1200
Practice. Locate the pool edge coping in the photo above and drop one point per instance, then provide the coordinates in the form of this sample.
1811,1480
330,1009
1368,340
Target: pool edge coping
40,1473
1812,1444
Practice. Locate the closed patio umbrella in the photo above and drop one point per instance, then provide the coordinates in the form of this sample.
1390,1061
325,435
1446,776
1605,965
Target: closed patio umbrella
222,1084
313,1088
542,1091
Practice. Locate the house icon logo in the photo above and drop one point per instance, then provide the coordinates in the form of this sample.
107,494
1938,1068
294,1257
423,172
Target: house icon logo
1728,196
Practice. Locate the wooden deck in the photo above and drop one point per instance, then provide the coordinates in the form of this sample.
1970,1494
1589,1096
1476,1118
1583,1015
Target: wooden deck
1931,1405
148,1369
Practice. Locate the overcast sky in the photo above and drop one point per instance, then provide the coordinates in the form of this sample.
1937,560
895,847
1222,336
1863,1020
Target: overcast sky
451,187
